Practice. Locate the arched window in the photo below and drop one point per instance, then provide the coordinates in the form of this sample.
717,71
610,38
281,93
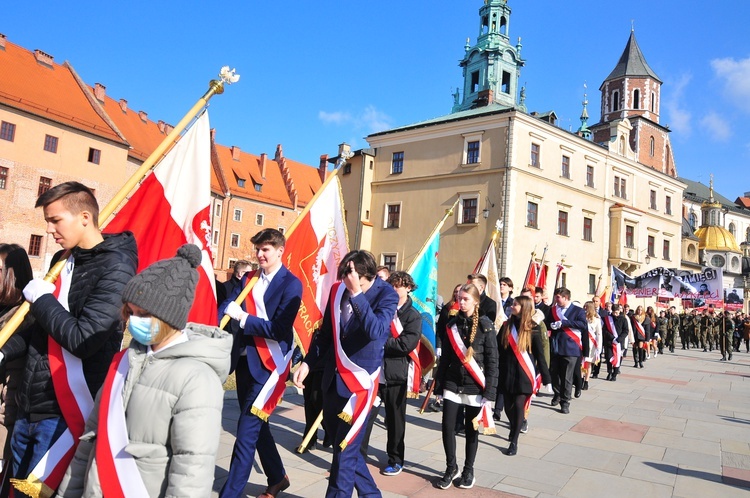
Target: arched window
732,230
693,220
747,235
503,25
636,99
616,100
651,147
691,251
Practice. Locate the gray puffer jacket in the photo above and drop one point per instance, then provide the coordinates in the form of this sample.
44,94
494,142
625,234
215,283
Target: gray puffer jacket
173,401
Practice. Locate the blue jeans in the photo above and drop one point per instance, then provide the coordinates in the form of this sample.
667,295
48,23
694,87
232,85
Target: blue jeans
30,441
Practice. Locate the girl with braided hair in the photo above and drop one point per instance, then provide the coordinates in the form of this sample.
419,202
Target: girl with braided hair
466,376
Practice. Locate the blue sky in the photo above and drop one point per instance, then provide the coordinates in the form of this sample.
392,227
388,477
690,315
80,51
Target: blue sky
316,73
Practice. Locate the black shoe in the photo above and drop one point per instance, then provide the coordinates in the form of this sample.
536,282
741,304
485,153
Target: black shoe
565,409
496,417
467,479
447,479
512,449
609,376
525,426
577,393
555,400
461,431
723,358
585,385
614,378
730,356
594,376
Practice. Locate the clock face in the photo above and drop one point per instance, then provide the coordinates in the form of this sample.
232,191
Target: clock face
717,261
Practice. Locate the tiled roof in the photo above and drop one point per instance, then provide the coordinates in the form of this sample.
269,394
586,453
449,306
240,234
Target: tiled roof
632,63
306,180
49,91
456,116
698,192
143,135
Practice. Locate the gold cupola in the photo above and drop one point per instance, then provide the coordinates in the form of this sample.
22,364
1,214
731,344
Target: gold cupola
711,234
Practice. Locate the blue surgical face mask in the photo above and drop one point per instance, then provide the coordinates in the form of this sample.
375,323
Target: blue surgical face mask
140,328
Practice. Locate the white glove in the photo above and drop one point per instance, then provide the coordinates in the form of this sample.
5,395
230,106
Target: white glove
235,311
37,288
555,325
485,401
439,352
439,398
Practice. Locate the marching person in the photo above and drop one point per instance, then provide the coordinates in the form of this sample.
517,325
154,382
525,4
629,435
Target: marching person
155,427
355,326
639,322
522,367
82,318
595,338
15,273
466,377
400,376
569,341
262,355
614,335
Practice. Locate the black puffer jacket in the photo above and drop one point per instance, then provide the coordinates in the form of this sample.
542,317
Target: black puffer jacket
453,376
90,331
397,349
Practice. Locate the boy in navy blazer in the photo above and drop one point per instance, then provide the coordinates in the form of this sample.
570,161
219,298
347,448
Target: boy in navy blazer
368,305
276,296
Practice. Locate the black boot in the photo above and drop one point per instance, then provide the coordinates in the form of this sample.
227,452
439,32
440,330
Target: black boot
643,357
585,385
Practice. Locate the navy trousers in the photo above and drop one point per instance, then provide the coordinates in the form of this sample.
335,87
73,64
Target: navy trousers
253,434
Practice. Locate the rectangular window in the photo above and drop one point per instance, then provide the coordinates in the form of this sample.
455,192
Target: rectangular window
240,182
668,205
347,168
4,178
652,199
95,155
50,144
215,238
393,219
620,188
592,283
651,244
44,185
562,223
389,260
588,229
474,81
532,212
469,210
565,167
535,155
630,236
666,251
237,215
235,240
7,131
259,220
397,163
217,209
589,176
258,187
35,245
472,152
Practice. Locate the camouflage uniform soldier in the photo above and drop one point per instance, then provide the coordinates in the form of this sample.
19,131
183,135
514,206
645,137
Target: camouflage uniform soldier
662,327
703,329
672,328
726,331
686,328
713,327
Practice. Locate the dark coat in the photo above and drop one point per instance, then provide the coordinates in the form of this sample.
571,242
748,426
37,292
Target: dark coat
363,338
513,380
621,331
561,344
397,349
452,375
91,330
488,307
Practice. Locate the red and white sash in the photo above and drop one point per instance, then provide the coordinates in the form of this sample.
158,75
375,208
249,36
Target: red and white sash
362,385
638,326
118,472
485,414
526,363
273,360
414,376
575,335
615,354
75,401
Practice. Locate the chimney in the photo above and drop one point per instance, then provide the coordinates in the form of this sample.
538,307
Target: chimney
124,105
263,159
235,153
747,194
100,91
162,125
279,153
323,167
3,39
143,115
168,128
43,58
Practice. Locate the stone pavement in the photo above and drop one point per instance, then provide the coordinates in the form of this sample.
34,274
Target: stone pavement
678,427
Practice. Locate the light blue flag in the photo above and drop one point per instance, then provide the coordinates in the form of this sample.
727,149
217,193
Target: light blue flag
424,271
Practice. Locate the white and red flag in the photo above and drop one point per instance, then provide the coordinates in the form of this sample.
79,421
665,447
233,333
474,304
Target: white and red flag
315,245
172,208
487,266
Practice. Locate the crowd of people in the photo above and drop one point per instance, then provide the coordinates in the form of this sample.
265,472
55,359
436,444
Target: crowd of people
79,416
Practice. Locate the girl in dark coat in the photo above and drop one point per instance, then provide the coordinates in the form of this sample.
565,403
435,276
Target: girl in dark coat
521,360
456,384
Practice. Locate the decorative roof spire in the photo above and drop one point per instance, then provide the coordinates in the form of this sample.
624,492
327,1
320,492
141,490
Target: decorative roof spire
584,129
711,188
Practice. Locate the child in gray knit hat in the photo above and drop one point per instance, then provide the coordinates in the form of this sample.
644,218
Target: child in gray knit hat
170,385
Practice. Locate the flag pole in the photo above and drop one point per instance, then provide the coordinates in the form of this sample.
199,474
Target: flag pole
343,157
541,265
215,87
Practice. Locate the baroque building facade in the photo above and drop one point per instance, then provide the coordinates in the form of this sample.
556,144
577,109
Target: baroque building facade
590,201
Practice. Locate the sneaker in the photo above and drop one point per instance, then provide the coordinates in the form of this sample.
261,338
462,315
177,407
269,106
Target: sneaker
525,427
393,470
447,479
467,480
